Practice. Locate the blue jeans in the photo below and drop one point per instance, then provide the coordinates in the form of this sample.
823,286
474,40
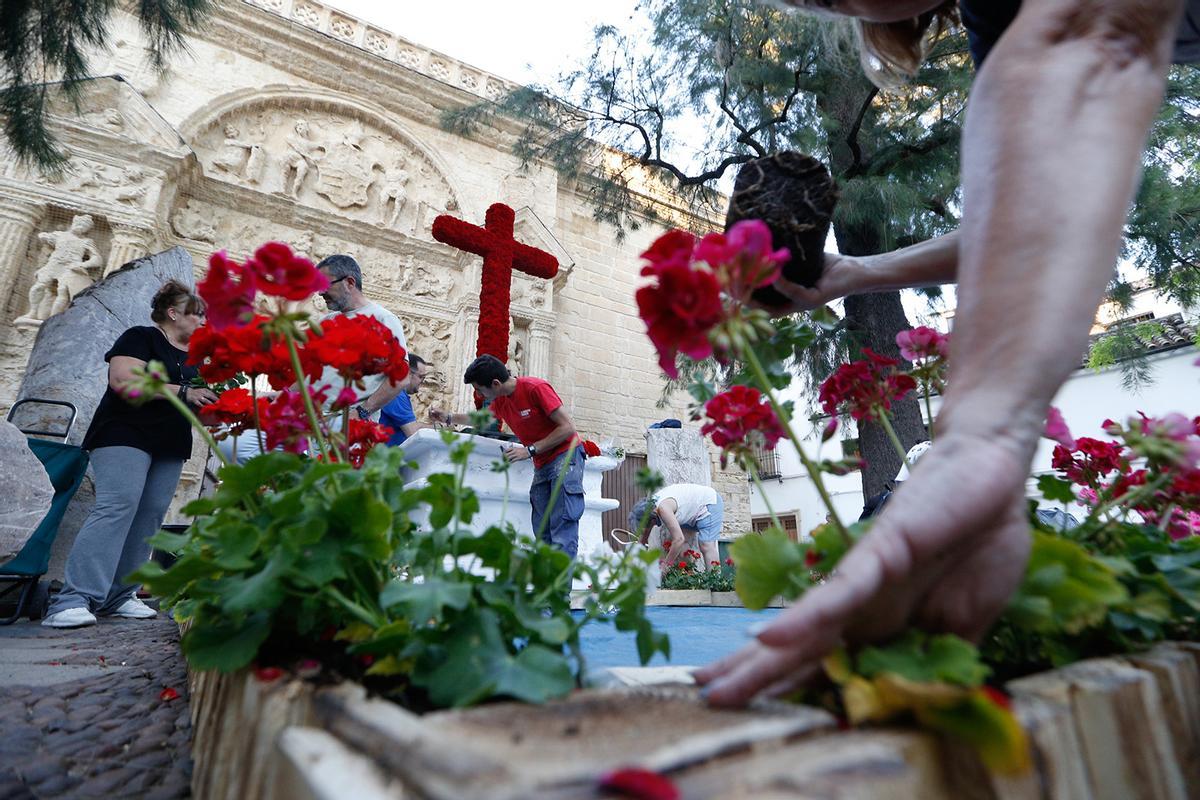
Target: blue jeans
562,528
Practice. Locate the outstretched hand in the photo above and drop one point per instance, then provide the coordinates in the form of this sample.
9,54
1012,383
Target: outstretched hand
945,554
840,276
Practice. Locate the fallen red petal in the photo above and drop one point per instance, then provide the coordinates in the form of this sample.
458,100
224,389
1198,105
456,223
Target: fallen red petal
641,784
268,674
168,694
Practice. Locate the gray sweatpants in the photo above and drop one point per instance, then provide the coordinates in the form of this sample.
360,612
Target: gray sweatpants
133,491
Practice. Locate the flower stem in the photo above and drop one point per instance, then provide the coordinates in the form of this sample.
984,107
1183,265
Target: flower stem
814,471
886,424
258,431
352,607
182,408
928,410
762,492
313,419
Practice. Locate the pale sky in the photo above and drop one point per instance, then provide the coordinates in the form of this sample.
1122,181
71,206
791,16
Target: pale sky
527,41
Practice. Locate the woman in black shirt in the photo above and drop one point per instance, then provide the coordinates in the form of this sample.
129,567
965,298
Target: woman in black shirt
1051,157
137,454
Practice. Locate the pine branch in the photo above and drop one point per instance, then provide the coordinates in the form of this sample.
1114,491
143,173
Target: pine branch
44,50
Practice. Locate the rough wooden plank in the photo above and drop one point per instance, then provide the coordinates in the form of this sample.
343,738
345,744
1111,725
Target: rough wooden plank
234,750
1178,678
1120,723
316,766
860,765
512,750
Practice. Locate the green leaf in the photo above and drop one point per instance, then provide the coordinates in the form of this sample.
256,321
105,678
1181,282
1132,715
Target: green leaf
224,644
1055,490
170,542
263,590
425,601
364,520
536,675
319,564
550,629
767,566
923,658
1079,588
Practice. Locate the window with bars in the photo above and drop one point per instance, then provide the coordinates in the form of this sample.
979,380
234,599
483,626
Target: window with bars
768,462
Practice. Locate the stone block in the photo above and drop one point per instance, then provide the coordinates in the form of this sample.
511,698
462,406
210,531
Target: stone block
679,455
27,491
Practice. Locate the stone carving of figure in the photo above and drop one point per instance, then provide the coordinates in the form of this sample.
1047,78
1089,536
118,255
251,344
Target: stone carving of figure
129,186
421,281
112,120
516,351
191,224
66,273
393,195
239,158
303,152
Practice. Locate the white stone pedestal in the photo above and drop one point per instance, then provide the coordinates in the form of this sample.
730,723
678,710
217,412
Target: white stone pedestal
498,503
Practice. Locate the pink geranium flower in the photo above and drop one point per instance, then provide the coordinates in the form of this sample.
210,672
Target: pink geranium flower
923,342
743,256
1056,428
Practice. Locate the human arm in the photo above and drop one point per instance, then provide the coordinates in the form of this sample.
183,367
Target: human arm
564,429
929,263
666,514
1051,158
386,393
449,418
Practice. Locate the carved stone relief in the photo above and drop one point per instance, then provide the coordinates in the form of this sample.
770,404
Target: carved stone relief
430,339
328,160
421,280
129,185
192,223
72,266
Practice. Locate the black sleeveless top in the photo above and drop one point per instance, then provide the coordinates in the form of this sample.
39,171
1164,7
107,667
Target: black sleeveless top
155,427
986,20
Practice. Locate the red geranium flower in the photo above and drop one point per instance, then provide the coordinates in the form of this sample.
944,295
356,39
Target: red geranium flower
590,448
221,354
354,347
282,273
684,303
639,784
363,436
234,408
865,388
740,413
673,248
228,289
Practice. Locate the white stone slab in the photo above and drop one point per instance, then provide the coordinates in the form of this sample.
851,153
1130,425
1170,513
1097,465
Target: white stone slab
505,497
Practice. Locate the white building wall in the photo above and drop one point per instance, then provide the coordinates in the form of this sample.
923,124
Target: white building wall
1086,400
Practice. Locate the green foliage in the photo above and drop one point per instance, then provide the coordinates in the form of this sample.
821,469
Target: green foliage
918,656
294,558
768,566
716,578
44,50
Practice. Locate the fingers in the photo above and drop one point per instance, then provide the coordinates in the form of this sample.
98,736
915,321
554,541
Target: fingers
734,681
831,605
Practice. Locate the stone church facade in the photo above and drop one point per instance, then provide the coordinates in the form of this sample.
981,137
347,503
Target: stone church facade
291,121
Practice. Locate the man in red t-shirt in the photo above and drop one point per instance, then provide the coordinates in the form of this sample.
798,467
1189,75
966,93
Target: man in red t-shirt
535,413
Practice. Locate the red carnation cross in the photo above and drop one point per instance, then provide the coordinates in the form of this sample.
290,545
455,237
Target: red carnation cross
501,255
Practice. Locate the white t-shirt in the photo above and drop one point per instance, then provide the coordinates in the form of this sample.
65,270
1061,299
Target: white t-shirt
692,500
371,382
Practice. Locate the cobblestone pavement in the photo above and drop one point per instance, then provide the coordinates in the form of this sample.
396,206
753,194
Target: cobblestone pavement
105,728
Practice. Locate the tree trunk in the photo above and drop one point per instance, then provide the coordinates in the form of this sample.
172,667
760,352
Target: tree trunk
873,321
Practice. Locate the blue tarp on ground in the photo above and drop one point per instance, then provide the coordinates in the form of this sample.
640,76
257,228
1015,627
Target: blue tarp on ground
698,635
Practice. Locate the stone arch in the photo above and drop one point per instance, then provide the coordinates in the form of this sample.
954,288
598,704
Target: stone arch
353,158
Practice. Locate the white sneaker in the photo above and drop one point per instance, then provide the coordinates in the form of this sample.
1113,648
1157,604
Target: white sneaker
134,609
70,618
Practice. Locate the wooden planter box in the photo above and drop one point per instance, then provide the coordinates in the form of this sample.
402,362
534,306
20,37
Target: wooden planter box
700,597
1107,728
